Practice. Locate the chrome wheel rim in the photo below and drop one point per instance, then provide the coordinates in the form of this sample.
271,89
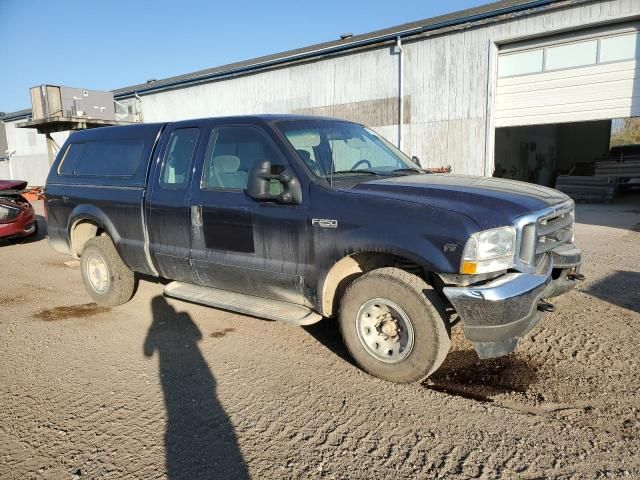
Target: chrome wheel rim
97,273
385,330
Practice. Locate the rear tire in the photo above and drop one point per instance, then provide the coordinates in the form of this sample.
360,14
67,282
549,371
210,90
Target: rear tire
394,325
107,279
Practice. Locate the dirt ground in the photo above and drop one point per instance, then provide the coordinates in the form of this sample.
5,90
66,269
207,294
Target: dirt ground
160,388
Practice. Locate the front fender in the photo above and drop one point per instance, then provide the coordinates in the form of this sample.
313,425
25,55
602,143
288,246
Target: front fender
432,238
365,248
419,250
334,278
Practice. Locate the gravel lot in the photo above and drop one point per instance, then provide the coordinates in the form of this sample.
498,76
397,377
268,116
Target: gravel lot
165,389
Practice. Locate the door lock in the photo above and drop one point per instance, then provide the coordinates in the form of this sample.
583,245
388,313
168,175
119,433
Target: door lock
196,215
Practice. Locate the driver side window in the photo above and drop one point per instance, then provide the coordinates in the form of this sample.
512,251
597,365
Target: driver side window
230,154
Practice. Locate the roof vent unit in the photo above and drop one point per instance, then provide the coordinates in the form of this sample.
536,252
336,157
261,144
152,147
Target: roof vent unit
53,101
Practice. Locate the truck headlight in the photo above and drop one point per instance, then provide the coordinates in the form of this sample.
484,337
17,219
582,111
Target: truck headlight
489,251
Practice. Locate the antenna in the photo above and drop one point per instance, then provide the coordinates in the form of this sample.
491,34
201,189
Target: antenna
331,169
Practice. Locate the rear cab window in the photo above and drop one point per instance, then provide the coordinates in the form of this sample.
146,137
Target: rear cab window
103,158
75,151
117,156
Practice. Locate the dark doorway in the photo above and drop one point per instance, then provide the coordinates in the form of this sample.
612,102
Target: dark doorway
539,153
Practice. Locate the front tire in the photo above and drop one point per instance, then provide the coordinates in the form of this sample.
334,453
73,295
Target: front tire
107,279
394,325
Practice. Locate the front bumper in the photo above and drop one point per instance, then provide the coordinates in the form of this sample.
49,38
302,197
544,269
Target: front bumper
496,314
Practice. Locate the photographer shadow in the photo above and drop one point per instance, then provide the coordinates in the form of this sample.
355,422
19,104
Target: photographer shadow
200,441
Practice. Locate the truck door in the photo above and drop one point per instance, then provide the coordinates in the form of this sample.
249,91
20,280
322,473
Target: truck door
168,202
239,244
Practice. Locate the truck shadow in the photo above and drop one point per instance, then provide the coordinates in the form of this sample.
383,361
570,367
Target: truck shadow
621,214
200,441
621,288
327,332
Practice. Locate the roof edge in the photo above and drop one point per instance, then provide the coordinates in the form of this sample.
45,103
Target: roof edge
19,115
338,46
432,24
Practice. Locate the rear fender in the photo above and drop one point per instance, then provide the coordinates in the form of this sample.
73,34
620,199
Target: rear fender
86,212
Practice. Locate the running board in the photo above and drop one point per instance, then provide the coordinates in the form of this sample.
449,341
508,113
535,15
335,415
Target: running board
243,303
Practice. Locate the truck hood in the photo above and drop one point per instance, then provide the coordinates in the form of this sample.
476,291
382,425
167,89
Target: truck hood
490,202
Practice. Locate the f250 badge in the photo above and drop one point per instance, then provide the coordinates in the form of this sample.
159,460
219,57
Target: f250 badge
324,222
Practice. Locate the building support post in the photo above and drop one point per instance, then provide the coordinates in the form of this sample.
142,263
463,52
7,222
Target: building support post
400,52
52,148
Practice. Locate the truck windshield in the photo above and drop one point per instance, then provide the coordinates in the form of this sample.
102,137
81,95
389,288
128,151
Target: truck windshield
330,147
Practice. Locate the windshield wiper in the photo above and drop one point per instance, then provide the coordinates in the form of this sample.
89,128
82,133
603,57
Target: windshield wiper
368,172
409,169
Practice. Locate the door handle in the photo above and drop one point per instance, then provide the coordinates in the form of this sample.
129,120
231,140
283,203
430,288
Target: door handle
196,215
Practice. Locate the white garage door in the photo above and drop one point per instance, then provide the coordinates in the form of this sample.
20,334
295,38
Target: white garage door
593,76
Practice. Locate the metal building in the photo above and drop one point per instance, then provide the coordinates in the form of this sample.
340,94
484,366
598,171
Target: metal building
522,88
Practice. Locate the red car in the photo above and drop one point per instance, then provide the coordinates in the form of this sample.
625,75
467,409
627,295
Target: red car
17,217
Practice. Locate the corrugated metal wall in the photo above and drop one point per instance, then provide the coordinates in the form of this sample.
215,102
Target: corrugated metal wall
449,86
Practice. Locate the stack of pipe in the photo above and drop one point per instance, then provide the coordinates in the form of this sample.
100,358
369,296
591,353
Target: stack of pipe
589,189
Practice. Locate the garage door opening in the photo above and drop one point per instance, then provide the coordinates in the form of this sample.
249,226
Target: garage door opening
589,161
540,153
562,103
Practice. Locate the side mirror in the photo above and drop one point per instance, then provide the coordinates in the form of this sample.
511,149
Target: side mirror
416,160
273,183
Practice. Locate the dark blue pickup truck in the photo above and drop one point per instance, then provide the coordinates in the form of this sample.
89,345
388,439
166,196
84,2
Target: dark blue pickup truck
298,218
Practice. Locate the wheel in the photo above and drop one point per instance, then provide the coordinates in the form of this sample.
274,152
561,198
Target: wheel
35,229
107,279
393,324
32,234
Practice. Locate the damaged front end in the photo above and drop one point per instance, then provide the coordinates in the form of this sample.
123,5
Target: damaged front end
496,312
17,217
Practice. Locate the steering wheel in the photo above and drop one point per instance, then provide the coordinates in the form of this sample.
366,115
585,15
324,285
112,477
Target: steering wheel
361,162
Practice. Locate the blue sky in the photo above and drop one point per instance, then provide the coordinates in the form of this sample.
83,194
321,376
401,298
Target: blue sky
104,45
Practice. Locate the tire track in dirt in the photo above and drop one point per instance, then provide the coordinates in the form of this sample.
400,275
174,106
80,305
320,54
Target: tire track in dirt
82,391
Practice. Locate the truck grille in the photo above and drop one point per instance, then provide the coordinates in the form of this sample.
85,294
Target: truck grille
549,230
554,231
